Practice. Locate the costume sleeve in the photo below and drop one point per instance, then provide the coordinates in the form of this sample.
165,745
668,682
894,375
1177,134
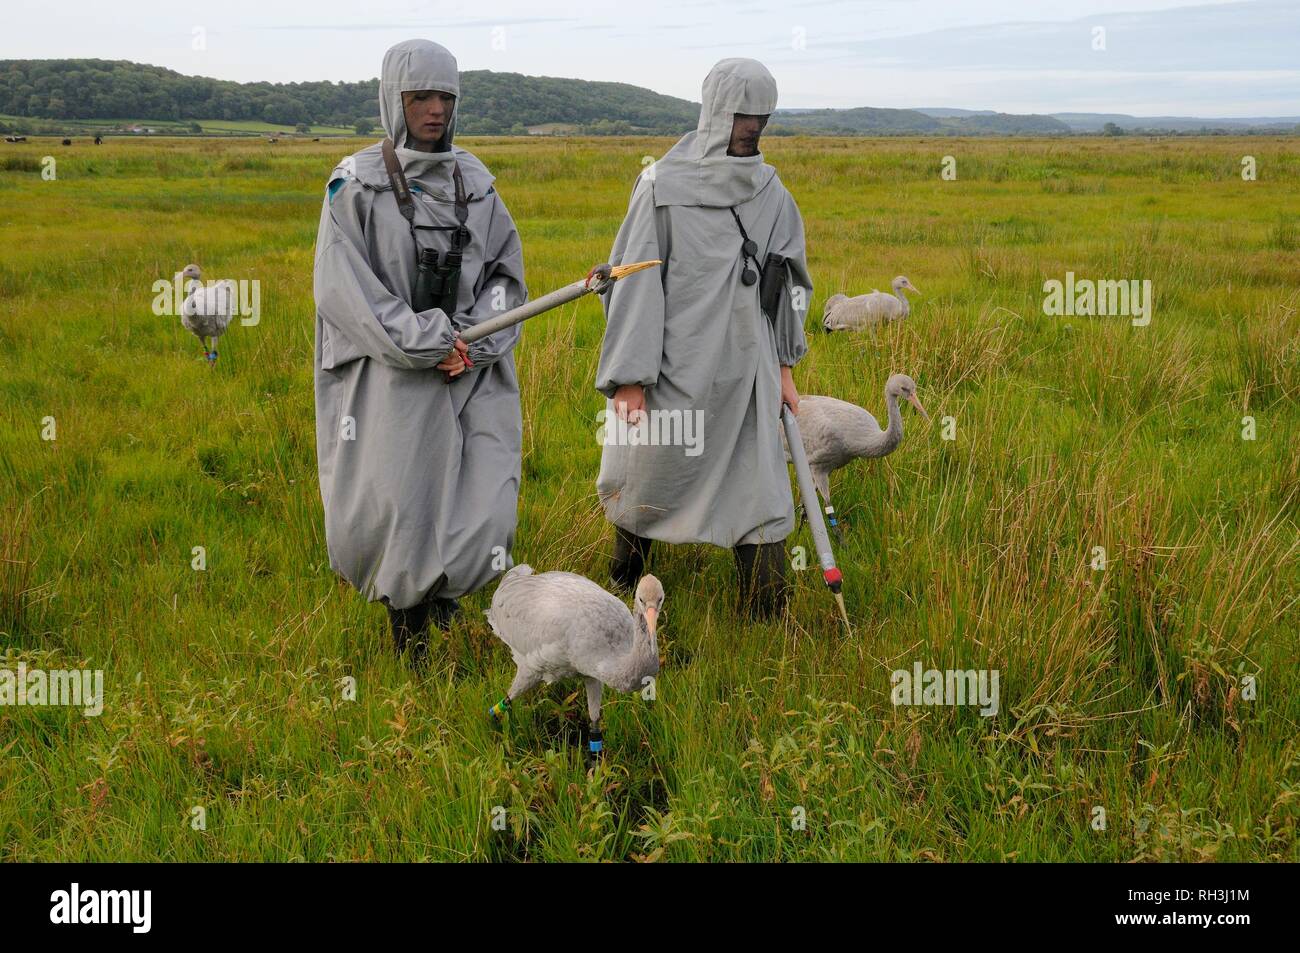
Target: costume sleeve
788,240
634,309
502,286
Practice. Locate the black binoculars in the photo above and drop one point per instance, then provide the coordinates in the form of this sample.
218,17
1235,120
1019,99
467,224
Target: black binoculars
769,290
436,283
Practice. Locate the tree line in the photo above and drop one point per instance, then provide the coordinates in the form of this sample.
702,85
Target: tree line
494,103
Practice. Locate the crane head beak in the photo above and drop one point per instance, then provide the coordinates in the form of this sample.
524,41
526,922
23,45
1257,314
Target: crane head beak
652,619
916,402
622,271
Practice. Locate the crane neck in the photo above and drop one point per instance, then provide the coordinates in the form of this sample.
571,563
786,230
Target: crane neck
642,658
871,441
893,434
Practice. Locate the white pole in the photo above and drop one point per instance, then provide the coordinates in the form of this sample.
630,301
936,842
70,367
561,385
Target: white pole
529,309
599,280
808,495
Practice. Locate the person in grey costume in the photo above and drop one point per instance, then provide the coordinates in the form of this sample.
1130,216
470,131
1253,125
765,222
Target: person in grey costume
417,434
696,344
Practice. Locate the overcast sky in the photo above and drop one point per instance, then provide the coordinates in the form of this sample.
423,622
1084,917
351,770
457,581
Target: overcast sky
1160,57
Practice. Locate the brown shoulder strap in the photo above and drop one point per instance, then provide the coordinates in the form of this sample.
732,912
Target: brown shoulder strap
402,191
462,202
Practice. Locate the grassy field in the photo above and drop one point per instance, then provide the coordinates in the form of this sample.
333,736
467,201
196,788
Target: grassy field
1121,688
88,127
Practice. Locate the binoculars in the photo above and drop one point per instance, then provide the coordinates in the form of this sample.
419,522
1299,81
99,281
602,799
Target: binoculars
769,290
437,283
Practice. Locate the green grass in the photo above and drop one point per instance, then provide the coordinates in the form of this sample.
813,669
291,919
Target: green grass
1119,688
166,126
232,125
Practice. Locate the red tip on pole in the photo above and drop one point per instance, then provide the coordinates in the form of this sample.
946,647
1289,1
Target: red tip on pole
833,576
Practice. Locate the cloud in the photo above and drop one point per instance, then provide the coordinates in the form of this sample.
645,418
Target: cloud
483,24
1207,38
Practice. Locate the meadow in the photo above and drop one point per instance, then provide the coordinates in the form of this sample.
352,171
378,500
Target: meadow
171,127
1156,681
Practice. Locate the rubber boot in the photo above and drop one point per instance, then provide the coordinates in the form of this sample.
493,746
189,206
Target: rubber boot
442,612
411,626
764,590
630,555
408,624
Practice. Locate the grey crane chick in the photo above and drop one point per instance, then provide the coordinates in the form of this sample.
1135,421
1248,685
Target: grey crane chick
207,309
835,432
843,313
560,624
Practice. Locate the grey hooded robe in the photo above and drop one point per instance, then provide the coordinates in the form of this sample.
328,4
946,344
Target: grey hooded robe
697,339
419,473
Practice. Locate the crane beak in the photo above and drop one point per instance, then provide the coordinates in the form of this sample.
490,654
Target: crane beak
652,619
916,402
913,288
622,271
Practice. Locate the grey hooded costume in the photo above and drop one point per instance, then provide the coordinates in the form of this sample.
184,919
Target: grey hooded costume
419,472
698,340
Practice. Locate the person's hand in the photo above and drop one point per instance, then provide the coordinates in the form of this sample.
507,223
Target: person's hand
789,395
455,361
629,402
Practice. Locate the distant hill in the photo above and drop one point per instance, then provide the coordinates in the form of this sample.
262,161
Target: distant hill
948,112
87,95
495,103
958,122
1096,122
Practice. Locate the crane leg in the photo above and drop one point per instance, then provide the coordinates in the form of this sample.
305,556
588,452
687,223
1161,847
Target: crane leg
595,740
833,523
822,480
803,508
524,682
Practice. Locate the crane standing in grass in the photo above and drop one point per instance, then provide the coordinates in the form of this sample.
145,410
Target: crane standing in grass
207,309
560,624
843,313
835,432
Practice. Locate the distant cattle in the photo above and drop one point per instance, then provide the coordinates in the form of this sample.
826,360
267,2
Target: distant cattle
15,138
272,140
67,142
99,141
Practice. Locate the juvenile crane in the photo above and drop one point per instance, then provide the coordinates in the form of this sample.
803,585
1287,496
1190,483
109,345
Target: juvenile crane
843,313
207,309
835,432
560,624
